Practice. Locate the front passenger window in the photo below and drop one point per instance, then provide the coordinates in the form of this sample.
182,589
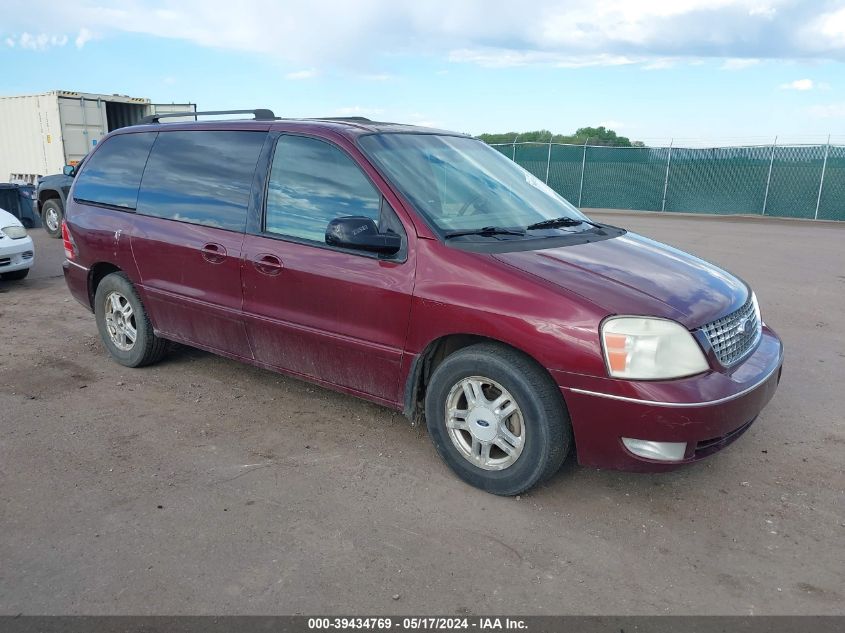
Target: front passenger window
311,183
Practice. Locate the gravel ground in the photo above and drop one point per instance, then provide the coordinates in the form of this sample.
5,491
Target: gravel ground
203,486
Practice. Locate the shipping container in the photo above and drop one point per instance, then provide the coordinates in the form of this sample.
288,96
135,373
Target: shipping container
41,133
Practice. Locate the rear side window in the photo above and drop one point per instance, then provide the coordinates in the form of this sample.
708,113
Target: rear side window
113,173
201,177
312,183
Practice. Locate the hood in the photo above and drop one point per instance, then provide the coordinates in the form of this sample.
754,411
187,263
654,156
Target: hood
54,181
7,219
632,274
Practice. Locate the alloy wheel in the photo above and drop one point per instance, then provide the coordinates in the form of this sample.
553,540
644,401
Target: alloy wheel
51,219
485,423
120,321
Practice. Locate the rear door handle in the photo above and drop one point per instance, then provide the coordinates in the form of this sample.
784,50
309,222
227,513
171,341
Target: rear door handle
268,264
213,253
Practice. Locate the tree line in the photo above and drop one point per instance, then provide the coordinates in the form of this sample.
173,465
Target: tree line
590,135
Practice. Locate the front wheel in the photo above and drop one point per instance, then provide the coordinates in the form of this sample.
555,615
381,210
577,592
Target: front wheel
497,418
52,214
123,323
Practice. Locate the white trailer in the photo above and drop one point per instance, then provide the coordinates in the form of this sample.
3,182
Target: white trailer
41,133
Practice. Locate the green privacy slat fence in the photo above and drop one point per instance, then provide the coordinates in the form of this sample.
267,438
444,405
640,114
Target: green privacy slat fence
624,180
796,181
832,202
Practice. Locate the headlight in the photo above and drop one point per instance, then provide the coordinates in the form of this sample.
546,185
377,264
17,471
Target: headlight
643,348
15,232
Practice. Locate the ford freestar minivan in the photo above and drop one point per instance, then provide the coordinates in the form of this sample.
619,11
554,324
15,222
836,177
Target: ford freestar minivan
424,271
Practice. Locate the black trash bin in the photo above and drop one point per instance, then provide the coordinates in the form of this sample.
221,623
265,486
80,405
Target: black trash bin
19,200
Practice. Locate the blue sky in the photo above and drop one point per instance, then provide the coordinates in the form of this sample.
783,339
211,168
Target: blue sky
699,71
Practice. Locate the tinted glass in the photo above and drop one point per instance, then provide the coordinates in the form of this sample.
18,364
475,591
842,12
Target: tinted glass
462,183
201,177
113,173
312,183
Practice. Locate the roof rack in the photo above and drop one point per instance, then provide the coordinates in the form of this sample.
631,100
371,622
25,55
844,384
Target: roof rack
353,119
259,114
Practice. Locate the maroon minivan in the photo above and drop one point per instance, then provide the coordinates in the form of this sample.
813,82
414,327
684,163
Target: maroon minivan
424,271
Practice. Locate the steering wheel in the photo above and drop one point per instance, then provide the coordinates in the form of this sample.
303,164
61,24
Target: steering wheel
472,202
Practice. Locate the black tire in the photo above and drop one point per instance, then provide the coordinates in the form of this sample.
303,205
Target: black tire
548,432
15,275
147,347
53,209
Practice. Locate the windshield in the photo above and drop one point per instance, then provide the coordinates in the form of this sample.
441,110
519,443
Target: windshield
463,184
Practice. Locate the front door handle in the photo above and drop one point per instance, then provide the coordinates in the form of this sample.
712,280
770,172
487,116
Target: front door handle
213,253
268,264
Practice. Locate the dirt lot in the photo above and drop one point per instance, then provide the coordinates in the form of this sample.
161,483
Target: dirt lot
204,486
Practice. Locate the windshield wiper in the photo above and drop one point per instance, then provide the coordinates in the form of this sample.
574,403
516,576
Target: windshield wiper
556,223
485,231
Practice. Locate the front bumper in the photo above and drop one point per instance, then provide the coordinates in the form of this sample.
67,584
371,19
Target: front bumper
707,412
16,254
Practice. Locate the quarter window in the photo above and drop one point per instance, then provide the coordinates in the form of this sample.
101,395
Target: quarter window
201,177
311,183
113,173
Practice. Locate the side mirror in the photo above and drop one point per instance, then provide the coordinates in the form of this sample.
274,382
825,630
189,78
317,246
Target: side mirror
361,233
69,170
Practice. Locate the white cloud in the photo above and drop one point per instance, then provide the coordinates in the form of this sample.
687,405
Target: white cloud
83,37
832,25
798,84
508,58
377,77
308,73
660,64
44,41
763,10
739,63
36,41
576,33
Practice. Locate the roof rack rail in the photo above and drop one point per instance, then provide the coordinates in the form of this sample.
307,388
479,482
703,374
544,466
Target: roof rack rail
353,119
260,114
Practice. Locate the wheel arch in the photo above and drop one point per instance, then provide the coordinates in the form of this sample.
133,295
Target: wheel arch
434,353
49,194
96,274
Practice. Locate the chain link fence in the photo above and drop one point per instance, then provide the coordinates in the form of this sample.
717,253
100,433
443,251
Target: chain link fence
793,181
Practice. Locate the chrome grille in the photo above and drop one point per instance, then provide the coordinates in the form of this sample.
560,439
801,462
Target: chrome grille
732,337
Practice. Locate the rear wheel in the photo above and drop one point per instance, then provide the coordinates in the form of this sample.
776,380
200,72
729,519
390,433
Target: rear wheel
15,275
52,214
497,418
123,323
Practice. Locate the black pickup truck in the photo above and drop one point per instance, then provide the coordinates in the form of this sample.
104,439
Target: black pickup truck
52,195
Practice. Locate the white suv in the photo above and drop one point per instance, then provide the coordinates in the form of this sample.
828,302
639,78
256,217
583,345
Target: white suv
17,254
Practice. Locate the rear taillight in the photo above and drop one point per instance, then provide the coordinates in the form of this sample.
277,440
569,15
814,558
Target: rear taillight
70,247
